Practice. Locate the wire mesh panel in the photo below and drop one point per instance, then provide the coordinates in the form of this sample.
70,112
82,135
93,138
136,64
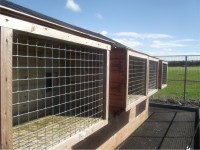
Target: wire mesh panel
153,75
57,90
137,78
192,83
164,74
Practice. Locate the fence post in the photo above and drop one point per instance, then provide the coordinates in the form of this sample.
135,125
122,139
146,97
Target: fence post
185,79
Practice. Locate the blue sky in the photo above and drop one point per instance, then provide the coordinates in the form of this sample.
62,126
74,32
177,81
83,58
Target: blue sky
156,27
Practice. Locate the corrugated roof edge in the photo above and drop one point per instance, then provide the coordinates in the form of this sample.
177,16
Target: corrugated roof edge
7,7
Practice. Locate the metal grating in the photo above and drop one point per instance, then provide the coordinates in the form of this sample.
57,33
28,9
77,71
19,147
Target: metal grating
175,143
164,129
153,75
137,78
164,74
57,90
181,129
140,142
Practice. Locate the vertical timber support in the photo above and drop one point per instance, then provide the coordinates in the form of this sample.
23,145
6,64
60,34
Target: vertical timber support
6,88
127,76
106,84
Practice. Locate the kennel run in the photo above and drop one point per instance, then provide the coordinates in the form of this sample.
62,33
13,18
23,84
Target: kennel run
153,75
162,76
58,80
54,80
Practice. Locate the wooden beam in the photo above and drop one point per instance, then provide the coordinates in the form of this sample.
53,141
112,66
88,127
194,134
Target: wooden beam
25,26
153,59
6,89
137,54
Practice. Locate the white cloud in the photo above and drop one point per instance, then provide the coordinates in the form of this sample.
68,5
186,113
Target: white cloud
143,35
168,44
71,5
98,16
104,32
129,42
185,40
167,49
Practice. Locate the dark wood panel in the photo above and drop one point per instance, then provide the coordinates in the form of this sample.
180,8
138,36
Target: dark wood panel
117,79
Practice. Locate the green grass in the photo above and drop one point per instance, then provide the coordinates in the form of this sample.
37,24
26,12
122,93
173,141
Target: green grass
175,89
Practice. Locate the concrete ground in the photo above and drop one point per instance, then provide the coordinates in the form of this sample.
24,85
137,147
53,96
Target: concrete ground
164,129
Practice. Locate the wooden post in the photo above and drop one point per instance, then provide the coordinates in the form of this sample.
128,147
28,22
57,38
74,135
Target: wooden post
106,84
6,89
127,76
157,85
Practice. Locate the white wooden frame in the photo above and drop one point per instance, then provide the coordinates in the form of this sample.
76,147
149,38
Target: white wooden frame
6,88
155,60
139,55
161,85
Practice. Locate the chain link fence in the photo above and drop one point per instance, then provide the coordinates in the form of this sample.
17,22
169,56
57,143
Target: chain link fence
183,81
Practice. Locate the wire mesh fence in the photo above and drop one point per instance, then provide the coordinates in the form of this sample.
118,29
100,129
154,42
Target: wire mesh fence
153,67
57,90
183,80
137,76
164,74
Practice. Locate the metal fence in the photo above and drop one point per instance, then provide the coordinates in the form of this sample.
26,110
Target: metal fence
183,80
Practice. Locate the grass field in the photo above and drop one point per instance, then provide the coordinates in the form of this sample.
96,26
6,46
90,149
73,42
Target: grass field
175,89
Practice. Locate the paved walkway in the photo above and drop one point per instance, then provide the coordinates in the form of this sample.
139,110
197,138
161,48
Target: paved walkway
164,129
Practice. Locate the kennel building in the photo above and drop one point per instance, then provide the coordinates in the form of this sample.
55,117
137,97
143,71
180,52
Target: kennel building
153,75
128,77
54,80
162,76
